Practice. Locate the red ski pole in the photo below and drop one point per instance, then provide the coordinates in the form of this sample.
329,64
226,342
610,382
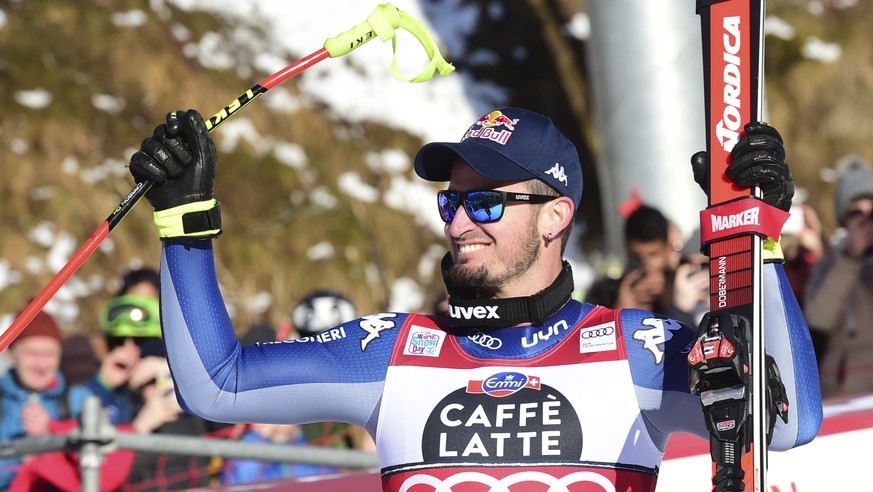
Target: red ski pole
381,23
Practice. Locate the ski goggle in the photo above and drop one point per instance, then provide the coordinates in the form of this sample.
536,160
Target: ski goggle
483,205
131,316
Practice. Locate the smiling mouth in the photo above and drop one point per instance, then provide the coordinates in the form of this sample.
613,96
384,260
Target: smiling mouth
469,248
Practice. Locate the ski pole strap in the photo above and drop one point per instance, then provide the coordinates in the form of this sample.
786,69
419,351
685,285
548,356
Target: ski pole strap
777,397
383,23
772,250
197,220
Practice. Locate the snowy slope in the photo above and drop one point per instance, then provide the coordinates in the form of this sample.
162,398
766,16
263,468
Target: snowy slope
358,86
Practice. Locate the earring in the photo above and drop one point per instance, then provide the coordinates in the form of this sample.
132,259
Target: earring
549,239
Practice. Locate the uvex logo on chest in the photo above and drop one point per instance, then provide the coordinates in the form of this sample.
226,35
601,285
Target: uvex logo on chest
474,312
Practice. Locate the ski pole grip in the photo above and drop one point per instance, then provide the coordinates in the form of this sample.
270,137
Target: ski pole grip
437,62
381,22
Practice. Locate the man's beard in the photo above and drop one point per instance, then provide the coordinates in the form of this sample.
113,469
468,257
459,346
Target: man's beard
481,283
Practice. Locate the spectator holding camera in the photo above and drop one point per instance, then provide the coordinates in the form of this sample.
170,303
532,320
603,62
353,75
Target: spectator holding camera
131,331
838,297
657,278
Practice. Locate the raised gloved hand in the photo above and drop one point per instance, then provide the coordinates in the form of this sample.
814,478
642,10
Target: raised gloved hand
758,159
180,159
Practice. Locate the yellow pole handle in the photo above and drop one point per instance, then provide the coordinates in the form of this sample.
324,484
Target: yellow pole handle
383,23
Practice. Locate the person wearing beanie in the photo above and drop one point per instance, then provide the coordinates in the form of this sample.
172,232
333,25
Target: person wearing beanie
78,360
838,306
855,182
32,391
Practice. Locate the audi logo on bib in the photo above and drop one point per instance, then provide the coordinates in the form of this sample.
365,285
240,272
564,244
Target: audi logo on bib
485,340
600,338
598,332
587,480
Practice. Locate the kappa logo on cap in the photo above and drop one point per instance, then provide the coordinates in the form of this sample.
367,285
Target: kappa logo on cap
557,172
487,127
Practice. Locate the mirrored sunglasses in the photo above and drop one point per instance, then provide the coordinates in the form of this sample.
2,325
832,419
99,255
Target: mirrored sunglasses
483,205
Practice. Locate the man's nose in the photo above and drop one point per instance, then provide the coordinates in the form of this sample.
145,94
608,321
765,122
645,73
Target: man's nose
461,221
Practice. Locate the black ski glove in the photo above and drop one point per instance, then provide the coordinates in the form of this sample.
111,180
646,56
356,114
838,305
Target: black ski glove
180,158
758,159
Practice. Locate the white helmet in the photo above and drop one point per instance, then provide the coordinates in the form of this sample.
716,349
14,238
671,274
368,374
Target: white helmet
320,310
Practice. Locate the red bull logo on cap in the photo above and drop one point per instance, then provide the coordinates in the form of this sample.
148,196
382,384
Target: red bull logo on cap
488,125
495,119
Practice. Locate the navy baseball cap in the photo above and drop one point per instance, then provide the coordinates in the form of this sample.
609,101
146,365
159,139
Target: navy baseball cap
509,144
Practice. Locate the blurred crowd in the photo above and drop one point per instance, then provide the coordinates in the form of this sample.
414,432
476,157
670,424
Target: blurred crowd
49,375
831,275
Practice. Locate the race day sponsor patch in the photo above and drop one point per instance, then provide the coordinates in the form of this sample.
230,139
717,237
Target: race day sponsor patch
423,341
503,384
529,422
598,338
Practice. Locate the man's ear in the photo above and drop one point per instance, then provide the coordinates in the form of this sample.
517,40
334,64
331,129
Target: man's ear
558,216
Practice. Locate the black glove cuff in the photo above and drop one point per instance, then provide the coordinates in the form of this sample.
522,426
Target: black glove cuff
202,221
196,220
